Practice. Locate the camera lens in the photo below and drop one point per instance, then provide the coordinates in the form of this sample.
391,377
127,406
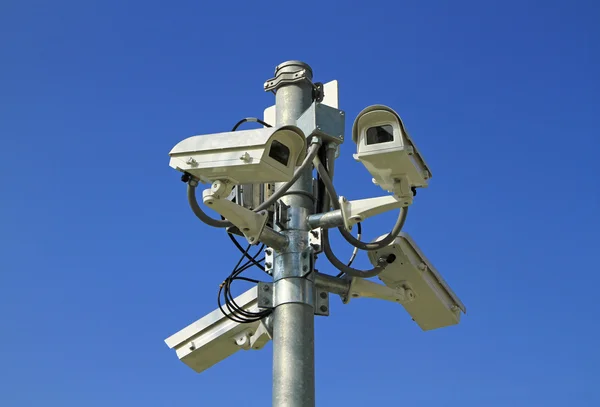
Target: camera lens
279,152
380,134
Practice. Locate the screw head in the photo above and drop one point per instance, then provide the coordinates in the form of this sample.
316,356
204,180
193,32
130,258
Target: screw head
323,294
323,308
304,268
304,255
265,288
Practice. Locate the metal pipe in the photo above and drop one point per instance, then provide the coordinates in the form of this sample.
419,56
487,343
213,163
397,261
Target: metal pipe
329,220
293,322
334,285
276,240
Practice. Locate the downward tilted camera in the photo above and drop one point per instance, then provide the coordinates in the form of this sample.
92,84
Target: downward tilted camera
387,151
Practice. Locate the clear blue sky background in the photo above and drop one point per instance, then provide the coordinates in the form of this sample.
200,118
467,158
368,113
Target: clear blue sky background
101,259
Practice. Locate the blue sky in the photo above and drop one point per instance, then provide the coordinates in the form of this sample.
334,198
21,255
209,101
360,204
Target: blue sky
101,259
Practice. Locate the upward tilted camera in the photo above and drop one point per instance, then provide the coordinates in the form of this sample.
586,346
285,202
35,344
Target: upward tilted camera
387,151
242,157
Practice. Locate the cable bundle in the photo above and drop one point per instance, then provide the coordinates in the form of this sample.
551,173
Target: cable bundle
234,312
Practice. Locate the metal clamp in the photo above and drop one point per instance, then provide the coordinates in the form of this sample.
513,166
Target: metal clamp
315,240
269,260
321,302
293,290
284,78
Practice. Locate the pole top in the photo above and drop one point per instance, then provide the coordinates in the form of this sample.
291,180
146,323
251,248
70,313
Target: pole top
292,66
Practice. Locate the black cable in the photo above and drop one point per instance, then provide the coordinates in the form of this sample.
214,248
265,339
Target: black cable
225,287
245,252
359,231
236,312
250,119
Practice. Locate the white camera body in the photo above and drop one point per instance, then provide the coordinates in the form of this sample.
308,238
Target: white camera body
434,305
215,337
387,151
246,156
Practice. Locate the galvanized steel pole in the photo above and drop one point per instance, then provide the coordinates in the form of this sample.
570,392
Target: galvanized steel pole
293,316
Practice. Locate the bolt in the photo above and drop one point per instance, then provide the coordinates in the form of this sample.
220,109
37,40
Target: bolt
268,265
323,294
341,113
265,288
265,301
251,239
355,295
192,346
305,268
323,308
304,255
268,252
314,233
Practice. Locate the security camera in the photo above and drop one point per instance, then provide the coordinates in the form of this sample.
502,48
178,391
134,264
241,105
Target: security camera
387,151
433,304
215,337
247,156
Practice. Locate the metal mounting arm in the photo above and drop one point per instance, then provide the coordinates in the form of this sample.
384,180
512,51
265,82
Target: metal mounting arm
352,212
359,287
355,287
251,224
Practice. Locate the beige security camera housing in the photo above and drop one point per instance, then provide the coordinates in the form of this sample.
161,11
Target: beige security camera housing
247,156
215,337
434,304
387,151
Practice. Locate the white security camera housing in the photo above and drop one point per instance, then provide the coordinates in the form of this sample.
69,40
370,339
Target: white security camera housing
215,337
247,156
434,305
387,151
